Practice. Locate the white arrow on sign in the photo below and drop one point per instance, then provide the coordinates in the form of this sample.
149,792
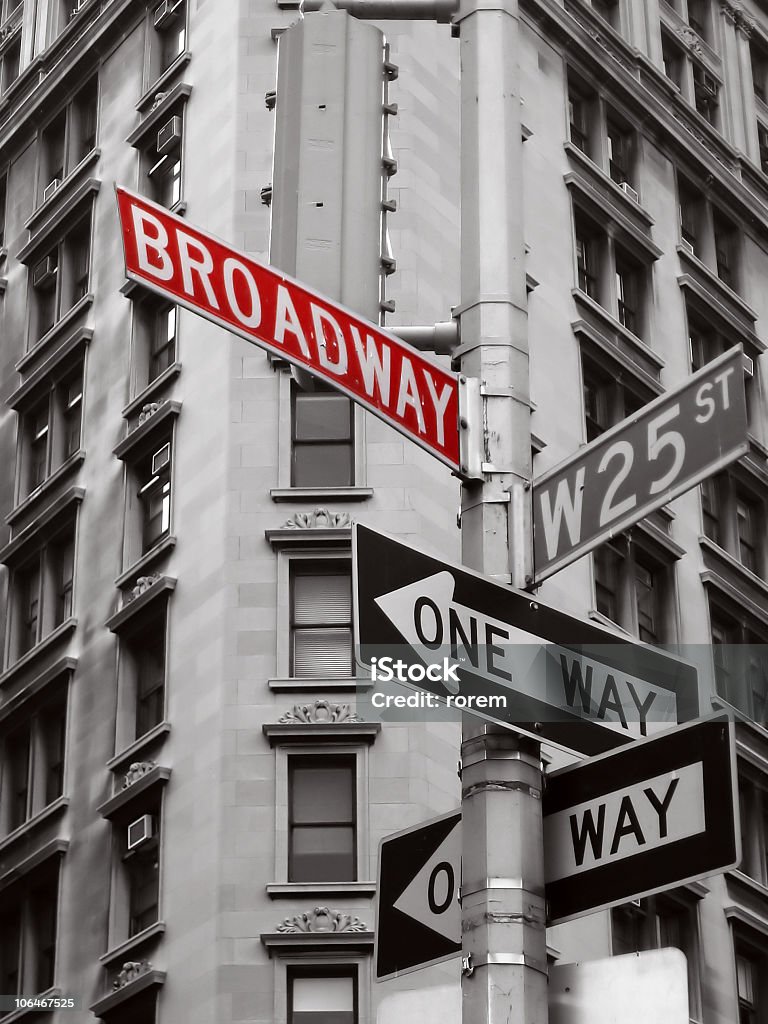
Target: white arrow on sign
427,617
432,898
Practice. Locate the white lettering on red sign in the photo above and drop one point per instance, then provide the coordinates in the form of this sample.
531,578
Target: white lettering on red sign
373,367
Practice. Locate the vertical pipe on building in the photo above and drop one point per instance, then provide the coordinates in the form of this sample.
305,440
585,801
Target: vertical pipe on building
503,912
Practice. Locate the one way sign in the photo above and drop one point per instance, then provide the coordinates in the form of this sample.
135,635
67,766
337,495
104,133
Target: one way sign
418,917
658,813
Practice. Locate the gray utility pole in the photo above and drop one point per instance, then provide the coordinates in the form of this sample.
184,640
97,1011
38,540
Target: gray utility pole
502,906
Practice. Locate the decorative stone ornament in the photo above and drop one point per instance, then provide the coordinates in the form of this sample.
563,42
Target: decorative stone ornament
149,410
320,519
143,583
321,919
319,712
131,970
137,771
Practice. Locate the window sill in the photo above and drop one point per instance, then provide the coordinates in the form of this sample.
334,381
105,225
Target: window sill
125,802
60,670
55,333
315,684
603,620
140,135
43,374
131,753
321,493
153,555
160,588
742,879
627,343
169,374
64,191
53,809
593,195
37,652
160,83
44,490
746,578
119,997
166,412
53,848
116,954
297,890
46,523
66,210
603,182
728,303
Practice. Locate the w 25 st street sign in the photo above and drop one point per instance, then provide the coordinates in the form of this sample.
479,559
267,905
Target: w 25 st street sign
639,465
374,368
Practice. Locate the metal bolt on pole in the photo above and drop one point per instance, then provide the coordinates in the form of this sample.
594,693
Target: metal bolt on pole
503,910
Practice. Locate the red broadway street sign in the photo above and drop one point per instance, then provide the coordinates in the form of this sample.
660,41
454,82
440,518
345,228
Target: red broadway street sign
371,366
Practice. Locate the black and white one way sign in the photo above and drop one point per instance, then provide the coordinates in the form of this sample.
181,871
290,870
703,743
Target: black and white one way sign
519,660
659,813
418,917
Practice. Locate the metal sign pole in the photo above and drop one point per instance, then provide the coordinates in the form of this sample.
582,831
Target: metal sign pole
503,910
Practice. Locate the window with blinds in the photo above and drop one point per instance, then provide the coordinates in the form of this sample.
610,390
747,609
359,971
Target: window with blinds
322,998
321,620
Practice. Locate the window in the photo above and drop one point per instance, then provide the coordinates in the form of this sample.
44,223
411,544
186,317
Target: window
607,400
751,969
740,661
156,339
170,35
321,819
33,762
629,291
658,923
611,275
699,17
762,142
68,138
28,924
143,873
705,94
153,473
321,619
162,161
707,343
733,517
7,7
581,116
51,429
143,654
753,815
138,878
620,152
726,249
322,995
10,62
674,60
691,216
60,279
3,202
589,254
708,234
322,439
42,592
608,11
635,590
758,55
